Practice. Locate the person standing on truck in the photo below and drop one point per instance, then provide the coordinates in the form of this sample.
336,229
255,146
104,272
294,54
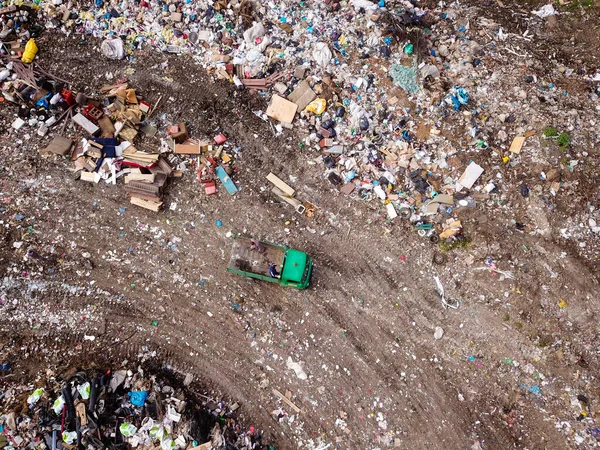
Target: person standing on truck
256,245
273,271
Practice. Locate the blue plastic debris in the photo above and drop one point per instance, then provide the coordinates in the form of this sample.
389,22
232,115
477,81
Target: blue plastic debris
229,185
138,398
535,390
459,97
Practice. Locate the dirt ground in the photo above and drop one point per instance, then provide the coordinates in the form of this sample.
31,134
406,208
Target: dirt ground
364,330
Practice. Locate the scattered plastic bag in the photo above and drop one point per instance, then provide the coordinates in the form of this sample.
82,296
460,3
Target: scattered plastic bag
156,431
168,444
69,436
127,429
33,398
297,368
368,6
138,398
458,96
113,48
321,54
545,11
405,77
58,405
317,106
31,50
84,390
255,31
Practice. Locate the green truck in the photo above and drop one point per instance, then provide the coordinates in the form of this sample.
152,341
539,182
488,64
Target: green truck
270,262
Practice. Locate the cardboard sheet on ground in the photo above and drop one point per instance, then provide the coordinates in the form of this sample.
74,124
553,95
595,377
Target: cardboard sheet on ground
282,109
302,95
470,176
517,144
58,146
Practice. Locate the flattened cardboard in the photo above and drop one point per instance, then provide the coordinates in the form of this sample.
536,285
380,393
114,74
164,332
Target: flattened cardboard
470,176
423,132
59,146
348,188
107,127
282,109
85,123
302,95
517,144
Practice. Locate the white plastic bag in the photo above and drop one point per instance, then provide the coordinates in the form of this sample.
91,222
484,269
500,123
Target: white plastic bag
368,6
255,31
545,11
113,48
322,54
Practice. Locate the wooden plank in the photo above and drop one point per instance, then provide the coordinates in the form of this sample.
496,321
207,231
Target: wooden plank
80,408
285,400
274,179
143,177
92,177
153,206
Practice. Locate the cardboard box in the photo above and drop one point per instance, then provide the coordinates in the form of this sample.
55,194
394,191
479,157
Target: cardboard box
59,146
302,95
84,123
282,109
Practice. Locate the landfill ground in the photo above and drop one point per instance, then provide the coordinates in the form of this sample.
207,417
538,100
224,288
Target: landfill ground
513,357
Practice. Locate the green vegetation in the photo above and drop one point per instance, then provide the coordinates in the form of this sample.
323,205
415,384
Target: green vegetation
576,4
562,138
455,244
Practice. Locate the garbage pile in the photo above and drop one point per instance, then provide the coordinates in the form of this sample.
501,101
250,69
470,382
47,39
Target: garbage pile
350,78
98,134
117,409
385,96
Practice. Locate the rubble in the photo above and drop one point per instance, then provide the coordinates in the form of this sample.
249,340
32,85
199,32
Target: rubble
145,408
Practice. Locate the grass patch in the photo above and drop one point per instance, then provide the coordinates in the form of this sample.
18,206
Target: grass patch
518,325
455,244
576,4
563,140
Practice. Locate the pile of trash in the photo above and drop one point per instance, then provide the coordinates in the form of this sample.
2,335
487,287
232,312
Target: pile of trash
117,409
98,135
309,60
385,97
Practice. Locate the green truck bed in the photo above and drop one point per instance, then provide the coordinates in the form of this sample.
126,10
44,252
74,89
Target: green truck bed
295,267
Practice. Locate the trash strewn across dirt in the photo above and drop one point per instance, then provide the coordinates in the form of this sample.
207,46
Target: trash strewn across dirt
148,407
437,161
